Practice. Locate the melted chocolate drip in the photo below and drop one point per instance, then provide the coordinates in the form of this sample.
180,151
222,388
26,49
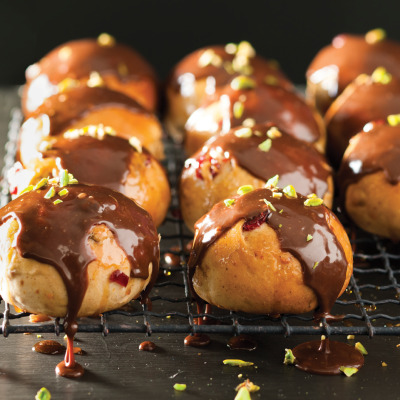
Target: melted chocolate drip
261,68
69,368
197,340
292,227
242,342
147,346
93,161
65,108
86,56
325,357
49,347
293,160
377,149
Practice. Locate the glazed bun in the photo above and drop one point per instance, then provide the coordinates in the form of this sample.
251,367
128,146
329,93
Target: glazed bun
90,62
244,100
367,98
205,70
95,156
369,178
78,253
267,253
250,156
337,65
85,106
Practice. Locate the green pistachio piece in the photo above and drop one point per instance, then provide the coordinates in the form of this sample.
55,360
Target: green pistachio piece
231,48
72,180
58,201
313,202
51,193
243,132
64,178
41,183
375,36
290,191
243,82
274,133
361,348
249,122
265,145
272,182
245,189
270,205
180,387
245,49
106,40
238,108
393,120
250,386
315,264
237,363
95,80
380,75
229,202
43,394
309,237
63,192
243,394
289,357
348,371
27,189
277,195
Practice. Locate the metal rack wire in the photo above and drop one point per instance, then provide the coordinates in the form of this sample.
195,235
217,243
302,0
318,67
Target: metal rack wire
370,304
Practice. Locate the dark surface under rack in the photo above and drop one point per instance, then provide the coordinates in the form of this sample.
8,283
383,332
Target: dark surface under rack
370,304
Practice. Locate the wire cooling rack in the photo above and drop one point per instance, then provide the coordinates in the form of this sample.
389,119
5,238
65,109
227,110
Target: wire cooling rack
370,304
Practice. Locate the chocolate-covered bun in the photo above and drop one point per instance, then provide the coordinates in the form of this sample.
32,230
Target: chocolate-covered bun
202,72
369,178
367,98
99,158
244,99
83,106
266,252
91,62
250,155
338,64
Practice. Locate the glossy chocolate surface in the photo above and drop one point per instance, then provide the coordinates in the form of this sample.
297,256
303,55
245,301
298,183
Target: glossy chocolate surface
293,160
260,69
325,357
292,226
78,58
65,108
49,347
377,148
351,55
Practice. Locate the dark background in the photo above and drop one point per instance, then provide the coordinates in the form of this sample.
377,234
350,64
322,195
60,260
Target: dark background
166,30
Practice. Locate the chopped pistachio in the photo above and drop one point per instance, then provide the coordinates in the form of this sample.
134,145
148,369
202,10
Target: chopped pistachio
67,83
110,131
237,363
228,67
350,337
229,202
271,80
249,122
348,371
64,53
311,196
41,183
245,49
39,336
106,40
231,48
393,119
180,387
243,82
243,133
95,80
272,182
315,264
238,108
375,36
274,132
240,375
323,337
309,237
208,58
265,145
243,394
51,193
27,189
289,357
313,202
270,205
258,133
251,387
245,189
384,364
72,180
43,394
58,201
277,195
63,192
290,191
281,211
380,75
361,348
280,225
64,178
136,144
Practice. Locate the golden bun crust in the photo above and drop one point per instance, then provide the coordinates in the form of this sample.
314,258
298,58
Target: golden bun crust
248,271
373,204
38,288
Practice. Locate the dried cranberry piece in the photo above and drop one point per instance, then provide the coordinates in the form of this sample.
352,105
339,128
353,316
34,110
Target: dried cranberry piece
214,165
256,221
13,190
119,277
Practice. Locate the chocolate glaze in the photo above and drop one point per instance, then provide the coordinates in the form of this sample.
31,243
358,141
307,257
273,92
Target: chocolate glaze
375,149
190,64
325,357
352,56
360,103
65,108
266,103
147,346
85,56
104,162
197,340
293,160
242,342
64,232
49,347
69,368
297,221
